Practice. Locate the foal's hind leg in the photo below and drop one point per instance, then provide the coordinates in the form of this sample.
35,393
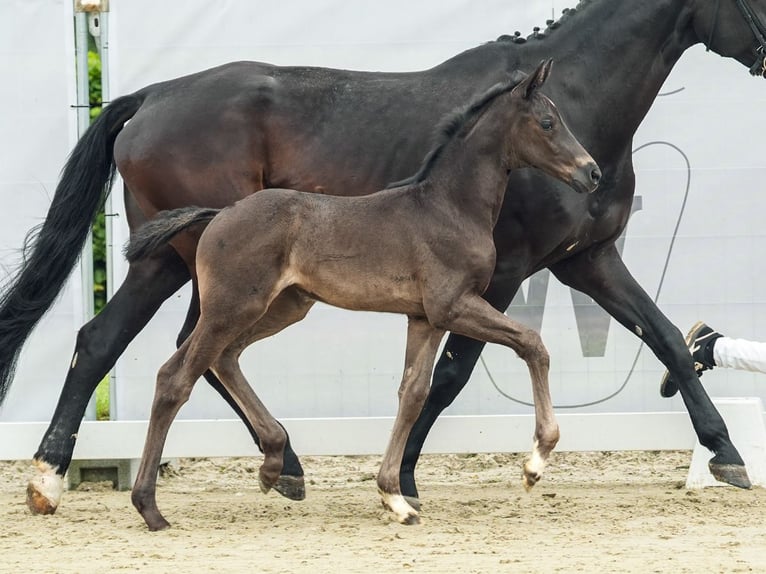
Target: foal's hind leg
273,436
289,307
291,483
473,317
422,343
175,381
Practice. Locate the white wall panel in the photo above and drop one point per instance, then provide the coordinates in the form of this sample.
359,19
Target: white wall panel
37,130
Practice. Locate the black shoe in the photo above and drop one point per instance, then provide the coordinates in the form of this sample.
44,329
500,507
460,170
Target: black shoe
699,339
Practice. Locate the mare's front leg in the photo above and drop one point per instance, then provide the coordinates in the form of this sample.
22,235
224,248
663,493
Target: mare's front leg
422,343
601,274
99,343
473,317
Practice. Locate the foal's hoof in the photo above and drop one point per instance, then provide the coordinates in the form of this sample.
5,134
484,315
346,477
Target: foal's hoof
411,519
530,477
400,507
734,474
292,487
265,486
157,522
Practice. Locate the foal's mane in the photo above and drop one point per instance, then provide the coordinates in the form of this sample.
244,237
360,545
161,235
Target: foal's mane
455,124
551,25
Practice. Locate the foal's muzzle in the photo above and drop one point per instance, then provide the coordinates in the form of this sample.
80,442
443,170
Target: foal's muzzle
587,178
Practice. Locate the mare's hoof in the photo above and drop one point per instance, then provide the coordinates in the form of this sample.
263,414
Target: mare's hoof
668,387
38,503
292,487
734,474
413,502
44,488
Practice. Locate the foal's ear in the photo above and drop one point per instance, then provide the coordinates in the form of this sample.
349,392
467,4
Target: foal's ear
535,79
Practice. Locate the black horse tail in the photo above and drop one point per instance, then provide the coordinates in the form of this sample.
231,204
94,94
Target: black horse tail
163,228
52,249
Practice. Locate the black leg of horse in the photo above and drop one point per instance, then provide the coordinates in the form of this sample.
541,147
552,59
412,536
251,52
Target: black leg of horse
451,374
602,275
99,343
290,483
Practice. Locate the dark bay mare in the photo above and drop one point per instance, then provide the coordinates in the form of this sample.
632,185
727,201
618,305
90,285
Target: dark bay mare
423,248
212,138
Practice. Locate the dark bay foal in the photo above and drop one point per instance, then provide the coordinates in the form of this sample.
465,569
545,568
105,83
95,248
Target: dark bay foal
423,248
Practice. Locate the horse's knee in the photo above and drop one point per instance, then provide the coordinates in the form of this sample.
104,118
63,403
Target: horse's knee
547,437
532,349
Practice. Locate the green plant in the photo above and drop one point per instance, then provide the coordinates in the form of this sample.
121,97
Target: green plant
98,228
99,234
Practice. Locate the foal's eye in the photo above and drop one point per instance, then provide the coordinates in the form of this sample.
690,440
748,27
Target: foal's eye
546,124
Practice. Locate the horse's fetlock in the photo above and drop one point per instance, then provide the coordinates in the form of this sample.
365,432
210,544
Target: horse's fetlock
548,438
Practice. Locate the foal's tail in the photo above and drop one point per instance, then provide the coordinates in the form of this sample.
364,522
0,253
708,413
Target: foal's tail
52,249
163,228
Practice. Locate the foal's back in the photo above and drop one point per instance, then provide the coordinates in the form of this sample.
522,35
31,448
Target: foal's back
372,253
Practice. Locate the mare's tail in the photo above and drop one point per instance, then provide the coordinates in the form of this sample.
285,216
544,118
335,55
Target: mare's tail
163,228
52,249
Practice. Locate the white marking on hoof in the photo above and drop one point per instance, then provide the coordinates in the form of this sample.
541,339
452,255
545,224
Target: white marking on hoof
396,503
44,489
533,468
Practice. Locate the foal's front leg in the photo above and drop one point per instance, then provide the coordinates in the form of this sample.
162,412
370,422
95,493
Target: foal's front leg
473,317
422,343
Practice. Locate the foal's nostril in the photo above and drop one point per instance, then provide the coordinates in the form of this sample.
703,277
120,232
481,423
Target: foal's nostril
595,175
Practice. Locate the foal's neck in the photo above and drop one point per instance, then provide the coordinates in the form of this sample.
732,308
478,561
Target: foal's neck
472,170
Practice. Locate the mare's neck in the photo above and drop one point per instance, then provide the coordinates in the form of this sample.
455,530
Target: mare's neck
611,60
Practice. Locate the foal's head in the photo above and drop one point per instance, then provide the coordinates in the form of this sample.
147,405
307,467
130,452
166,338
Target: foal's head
540,138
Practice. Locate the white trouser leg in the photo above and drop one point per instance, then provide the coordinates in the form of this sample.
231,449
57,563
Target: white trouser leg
740,354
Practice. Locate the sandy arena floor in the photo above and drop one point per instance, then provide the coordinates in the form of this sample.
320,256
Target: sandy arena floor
592,512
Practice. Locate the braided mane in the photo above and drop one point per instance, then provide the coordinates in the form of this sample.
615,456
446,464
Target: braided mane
551,25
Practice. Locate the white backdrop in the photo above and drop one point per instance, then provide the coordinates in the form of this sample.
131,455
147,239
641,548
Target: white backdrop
37,130
342,364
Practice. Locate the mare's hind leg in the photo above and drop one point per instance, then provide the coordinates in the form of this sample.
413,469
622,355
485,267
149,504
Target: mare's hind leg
291,483
422,343
473,317
99,343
